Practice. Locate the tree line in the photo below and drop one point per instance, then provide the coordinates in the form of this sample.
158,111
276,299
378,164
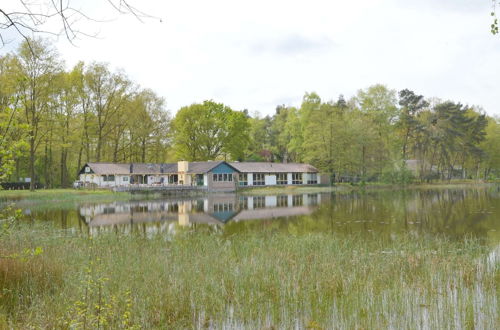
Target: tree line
53,120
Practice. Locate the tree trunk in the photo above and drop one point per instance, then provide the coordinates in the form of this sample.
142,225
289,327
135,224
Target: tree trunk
32,164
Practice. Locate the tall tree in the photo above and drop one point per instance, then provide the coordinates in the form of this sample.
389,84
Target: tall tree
108,94
209,131
37,70
411,104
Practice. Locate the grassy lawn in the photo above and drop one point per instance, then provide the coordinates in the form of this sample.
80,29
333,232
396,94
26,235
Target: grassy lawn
63,195
265,279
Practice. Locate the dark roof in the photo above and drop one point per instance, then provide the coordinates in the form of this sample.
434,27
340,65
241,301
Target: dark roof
202,167
197,167
263,167
150,168
137,168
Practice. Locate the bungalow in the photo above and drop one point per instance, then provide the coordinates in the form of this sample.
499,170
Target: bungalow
210,175
270,174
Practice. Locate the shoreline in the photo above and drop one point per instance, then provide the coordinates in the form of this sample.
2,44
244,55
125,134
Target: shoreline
71,195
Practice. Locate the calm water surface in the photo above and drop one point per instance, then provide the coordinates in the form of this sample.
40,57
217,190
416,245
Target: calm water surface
457,213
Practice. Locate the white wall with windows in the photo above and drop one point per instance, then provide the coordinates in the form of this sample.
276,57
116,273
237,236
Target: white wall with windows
271,179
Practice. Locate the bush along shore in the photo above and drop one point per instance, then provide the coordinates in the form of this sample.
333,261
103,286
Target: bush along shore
204,279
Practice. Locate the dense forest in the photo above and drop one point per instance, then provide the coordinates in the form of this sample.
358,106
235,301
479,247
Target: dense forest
53,120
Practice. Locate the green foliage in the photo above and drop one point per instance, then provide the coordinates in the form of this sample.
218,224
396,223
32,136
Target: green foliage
210,131
52,121
97,307
399,175
8,220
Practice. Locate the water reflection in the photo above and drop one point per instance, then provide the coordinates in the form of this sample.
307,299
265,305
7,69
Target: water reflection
454,212
212,209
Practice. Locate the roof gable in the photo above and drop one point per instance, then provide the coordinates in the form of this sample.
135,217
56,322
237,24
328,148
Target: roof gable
205,167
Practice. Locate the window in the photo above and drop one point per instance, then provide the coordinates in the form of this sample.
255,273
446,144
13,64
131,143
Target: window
108,178
297,200
125,179
199,206
243,203
223,207
296,178
282,201
259,202
173,179
281,178
173,207
243,179
109,210
258,179
313,199
313,178
223,177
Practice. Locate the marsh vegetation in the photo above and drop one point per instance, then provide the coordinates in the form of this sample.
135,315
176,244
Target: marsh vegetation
375,260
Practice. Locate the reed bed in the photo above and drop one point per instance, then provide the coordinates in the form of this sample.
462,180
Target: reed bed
201,278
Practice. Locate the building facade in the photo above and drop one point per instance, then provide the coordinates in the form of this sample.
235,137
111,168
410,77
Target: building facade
210,175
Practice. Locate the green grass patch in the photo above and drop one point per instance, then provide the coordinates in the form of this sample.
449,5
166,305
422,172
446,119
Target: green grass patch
62,195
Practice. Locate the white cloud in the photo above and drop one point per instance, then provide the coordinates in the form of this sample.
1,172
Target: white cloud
259,54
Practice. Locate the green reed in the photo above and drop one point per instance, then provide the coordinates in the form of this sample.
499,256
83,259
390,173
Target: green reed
201,278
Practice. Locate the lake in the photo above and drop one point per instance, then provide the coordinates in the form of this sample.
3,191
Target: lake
457,213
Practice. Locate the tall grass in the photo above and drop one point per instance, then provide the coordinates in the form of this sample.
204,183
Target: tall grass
203,279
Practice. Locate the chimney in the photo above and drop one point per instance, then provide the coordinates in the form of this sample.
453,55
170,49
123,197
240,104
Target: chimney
182,166
131,168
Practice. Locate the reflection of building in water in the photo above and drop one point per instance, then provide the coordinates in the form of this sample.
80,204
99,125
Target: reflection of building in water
213,209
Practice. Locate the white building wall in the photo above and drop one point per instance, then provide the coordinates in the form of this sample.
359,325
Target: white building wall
250,179
289,178
271,201
205,180
270,180
122,182
250,203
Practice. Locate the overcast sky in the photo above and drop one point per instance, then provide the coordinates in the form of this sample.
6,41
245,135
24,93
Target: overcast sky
257,54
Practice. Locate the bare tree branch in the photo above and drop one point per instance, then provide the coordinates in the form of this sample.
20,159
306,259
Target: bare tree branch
34,15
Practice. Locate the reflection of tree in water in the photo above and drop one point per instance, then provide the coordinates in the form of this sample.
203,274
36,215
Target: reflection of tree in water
452,212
